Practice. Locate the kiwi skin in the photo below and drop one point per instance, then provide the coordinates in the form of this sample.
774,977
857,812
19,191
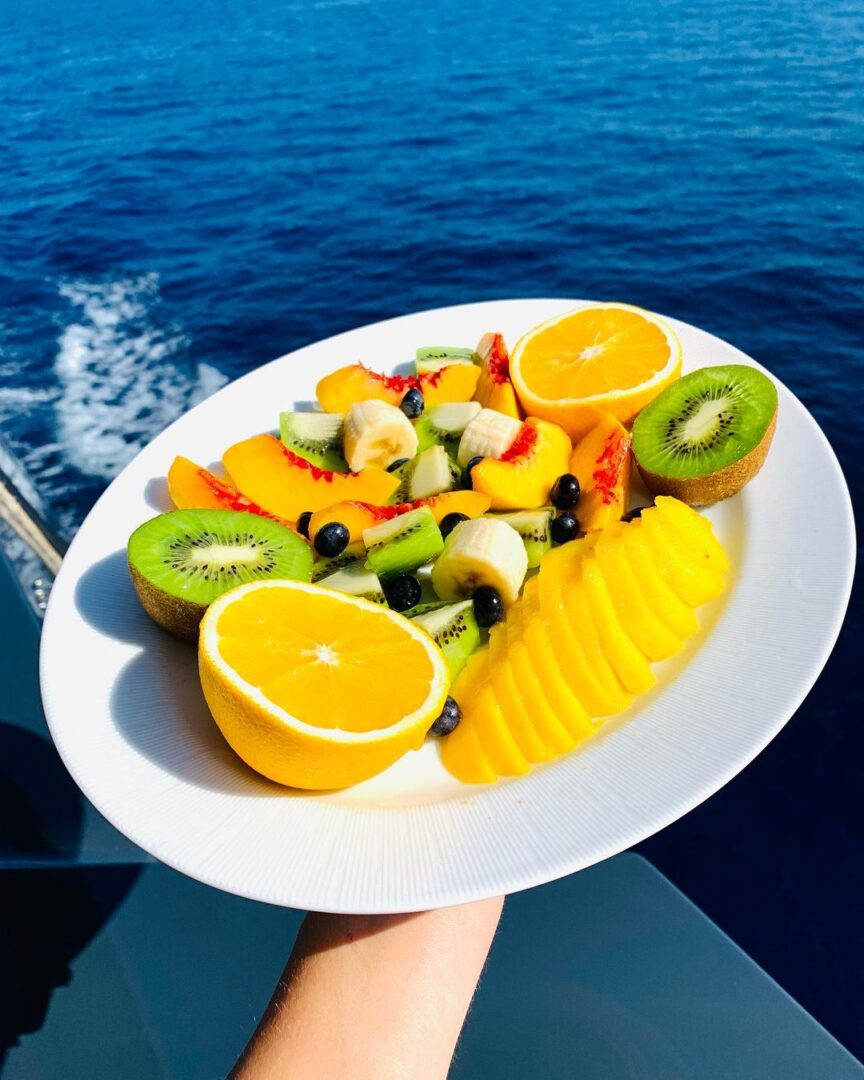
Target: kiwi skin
179,617
715,486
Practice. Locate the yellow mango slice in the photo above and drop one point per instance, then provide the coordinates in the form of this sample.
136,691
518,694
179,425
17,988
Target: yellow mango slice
550,729
589,674
500,747
463,756
567,706
510,697
694,584
694,530
644,629
630,664
659,596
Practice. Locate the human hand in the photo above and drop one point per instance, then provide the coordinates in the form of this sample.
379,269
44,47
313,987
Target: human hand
373,997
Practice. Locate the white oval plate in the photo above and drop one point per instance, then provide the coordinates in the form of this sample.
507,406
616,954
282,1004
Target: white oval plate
125,709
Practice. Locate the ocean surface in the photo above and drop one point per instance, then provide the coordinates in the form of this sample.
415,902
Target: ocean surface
187,191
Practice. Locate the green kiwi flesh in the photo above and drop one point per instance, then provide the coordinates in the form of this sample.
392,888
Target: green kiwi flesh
181,561
533,526
403,475
442,425
402,544
317,437
707,434
431,474
323,566
355,580
424,607
454,630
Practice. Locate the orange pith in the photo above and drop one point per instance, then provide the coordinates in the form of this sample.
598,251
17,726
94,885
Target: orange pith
322,663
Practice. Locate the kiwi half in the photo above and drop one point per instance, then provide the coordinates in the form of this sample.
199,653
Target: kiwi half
181,561
706,435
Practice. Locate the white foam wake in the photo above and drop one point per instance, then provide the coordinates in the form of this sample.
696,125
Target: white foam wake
122,377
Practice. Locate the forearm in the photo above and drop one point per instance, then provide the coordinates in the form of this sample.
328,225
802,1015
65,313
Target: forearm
373,997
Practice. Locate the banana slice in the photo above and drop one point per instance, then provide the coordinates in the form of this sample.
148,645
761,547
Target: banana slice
482,551
377,433
489,434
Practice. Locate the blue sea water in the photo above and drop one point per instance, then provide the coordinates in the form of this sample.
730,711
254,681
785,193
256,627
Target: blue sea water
190,190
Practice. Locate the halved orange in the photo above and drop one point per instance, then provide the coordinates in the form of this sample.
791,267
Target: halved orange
317,689
612,357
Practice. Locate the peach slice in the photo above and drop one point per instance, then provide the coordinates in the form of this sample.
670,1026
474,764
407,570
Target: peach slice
283,483
601,464
494,388
523,476
341,389
192,487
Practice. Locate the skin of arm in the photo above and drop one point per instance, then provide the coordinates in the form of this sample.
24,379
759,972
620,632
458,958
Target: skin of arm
373,997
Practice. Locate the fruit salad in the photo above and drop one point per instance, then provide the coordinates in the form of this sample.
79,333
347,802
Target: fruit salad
466,532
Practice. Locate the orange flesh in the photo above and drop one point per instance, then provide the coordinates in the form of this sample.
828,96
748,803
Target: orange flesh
566,361
324,663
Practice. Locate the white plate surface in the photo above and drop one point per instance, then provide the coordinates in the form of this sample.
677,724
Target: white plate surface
125,709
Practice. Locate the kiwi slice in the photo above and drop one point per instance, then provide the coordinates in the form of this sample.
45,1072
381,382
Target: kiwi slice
403,474
402,544
181,561
355,580
315,436
323,567
442,425
424,607
431,474
454,630
533,526
435,357
706,435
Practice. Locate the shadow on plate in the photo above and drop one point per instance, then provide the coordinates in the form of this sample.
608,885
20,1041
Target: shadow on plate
156,495
156,703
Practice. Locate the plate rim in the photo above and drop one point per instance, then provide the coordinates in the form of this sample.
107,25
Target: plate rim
562,864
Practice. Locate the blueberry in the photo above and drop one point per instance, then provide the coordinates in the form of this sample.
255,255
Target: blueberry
565,492
564,528
402,592
394,465
449,522
331,539
636,512
467,474
449,719
488,605
303,523
412,404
